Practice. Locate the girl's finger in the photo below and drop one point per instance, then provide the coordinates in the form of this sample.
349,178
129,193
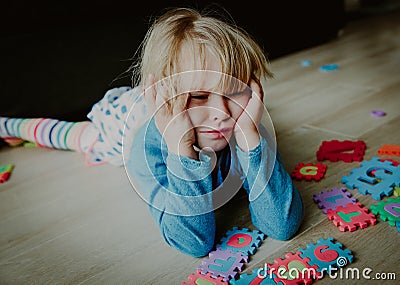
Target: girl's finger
256,87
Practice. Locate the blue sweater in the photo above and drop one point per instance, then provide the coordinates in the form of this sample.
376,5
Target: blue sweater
183,192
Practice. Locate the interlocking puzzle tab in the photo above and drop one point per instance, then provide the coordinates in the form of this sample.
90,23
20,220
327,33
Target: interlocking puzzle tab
374,177
223,263
388,210
351,217
347,151
309,171
241,240
327,254
389,149
331,199
5,172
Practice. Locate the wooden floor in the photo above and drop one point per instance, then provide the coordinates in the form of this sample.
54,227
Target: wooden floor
64,223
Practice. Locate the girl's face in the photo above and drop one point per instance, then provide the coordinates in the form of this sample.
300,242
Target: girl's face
214,116
213,113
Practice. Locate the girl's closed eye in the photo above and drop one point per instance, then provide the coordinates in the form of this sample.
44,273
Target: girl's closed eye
199,96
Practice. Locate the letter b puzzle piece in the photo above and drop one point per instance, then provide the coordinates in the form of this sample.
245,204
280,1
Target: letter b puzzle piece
326,254
241,240
331,199
347,151
223,263
388,210
374,177
352,216
309,171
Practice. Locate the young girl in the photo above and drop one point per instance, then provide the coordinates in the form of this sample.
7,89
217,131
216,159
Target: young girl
189,134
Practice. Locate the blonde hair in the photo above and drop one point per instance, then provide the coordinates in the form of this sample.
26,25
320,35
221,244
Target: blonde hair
239,54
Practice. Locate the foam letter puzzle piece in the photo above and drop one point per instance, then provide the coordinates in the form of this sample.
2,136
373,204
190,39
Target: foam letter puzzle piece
327,254
379,184
389,149
223,263
347,151
309,171
5,172
331,199
204,279
258,276
352,216
388,210
293,269
241,240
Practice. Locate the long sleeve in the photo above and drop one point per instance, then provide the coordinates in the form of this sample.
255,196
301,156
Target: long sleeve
178,190
276,205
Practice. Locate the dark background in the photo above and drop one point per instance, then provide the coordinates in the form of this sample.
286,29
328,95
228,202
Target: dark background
59,57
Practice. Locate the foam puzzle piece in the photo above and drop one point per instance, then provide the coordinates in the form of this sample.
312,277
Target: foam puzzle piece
206,279
336,150
389,149
329,67
327,254
398,226
289,270
352,216
378,113
258,276
379,184
331,199
388,210
223,263
241,240
396,191
309,171
5,172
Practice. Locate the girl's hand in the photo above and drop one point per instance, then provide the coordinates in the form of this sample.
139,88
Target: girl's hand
246,127
173,123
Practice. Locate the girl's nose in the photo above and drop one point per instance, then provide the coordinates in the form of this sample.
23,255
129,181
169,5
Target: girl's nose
218,106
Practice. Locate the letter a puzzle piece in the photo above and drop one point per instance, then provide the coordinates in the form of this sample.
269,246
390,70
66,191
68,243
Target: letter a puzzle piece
331,199
326,254
347,151
352,216
293,270
206,279
309,171
223,263
388,210
241,240
257,277
374,177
